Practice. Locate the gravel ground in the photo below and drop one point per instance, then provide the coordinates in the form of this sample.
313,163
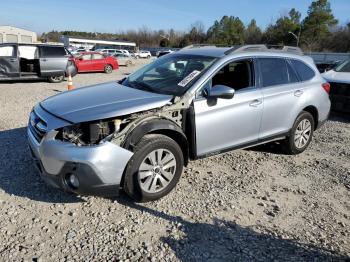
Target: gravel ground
255,204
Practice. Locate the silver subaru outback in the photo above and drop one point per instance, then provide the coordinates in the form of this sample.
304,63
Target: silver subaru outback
138,133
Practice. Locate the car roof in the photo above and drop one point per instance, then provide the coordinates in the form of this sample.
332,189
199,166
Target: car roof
90,53
220,52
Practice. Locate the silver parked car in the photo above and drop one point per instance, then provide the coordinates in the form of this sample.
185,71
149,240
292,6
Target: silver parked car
138,133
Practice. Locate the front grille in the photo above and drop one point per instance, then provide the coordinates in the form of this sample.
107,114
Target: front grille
37,126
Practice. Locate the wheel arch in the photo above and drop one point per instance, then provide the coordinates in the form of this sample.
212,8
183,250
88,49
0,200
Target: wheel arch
162,127
314,112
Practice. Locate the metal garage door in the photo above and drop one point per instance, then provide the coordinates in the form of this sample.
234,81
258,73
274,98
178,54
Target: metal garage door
11,38
1,39
26,39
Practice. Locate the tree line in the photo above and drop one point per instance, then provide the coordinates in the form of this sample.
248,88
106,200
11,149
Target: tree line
318,31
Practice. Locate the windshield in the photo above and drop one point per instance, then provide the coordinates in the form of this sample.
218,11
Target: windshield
343,67
171,74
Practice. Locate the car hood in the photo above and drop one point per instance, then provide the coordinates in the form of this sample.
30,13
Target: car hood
338,77
102,101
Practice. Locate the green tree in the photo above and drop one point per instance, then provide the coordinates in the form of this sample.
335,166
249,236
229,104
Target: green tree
281,33
317,23
252,34
229,31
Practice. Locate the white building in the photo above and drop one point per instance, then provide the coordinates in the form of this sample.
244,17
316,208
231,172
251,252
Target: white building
96,43
10,34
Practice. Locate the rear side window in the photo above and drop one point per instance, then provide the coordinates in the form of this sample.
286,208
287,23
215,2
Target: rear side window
97,56
52,51
305,72
273,71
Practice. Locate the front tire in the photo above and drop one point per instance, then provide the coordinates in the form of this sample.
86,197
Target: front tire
108,69
301,134
55,79
154,169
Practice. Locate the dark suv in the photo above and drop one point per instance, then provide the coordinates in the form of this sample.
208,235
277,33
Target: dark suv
35,61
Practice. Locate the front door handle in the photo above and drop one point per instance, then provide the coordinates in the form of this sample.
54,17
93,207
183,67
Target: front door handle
13,60
298,93
255,103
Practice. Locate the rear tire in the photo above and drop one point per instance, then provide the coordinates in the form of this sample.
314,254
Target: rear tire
108,69
55,79
154,169
300,135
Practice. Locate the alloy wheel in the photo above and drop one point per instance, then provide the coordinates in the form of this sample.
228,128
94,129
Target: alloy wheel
302,133
157,170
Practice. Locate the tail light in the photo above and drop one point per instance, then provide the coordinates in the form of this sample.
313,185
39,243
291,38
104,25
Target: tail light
326,87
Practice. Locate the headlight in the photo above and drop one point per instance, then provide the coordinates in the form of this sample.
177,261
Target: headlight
90,133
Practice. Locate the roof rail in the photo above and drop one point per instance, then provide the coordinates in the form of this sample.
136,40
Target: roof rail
198,46
287,49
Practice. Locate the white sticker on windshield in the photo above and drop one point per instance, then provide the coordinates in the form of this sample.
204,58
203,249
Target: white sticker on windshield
189,78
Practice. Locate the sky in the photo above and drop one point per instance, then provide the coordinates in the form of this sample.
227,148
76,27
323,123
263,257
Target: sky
115,15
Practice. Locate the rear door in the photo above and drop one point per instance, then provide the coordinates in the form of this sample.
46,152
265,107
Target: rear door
99,62
278,81
9,63
53,60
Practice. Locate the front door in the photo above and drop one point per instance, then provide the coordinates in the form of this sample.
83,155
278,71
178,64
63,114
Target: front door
84,63
223,124
9,64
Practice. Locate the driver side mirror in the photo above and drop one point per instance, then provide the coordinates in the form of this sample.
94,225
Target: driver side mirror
221,91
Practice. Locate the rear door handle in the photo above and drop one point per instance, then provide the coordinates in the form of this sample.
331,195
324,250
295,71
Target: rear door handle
255,103
298,93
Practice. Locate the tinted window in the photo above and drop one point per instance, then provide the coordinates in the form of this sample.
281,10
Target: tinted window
52,51
273,71
305,73
343,67
292,74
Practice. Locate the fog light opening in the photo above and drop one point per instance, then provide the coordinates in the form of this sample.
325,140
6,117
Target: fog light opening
72,181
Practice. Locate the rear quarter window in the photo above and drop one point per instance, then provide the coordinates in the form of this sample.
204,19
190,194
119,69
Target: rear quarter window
52,51
304,71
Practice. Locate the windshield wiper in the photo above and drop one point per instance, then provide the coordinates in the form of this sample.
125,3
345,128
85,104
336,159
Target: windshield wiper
142,85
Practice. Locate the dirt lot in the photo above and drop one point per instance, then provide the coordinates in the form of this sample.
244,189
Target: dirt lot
255,204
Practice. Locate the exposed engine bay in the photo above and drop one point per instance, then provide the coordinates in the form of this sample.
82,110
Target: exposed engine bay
115,130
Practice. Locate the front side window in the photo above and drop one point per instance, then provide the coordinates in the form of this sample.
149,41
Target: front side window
343,67
7,51
85,57
238,75
273,71
173,74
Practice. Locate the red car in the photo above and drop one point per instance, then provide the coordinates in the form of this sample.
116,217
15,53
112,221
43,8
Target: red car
95,62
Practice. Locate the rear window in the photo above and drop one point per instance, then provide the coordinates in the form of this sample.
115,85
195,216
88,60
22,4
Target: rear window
273,71
305,72
52,51
343,67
